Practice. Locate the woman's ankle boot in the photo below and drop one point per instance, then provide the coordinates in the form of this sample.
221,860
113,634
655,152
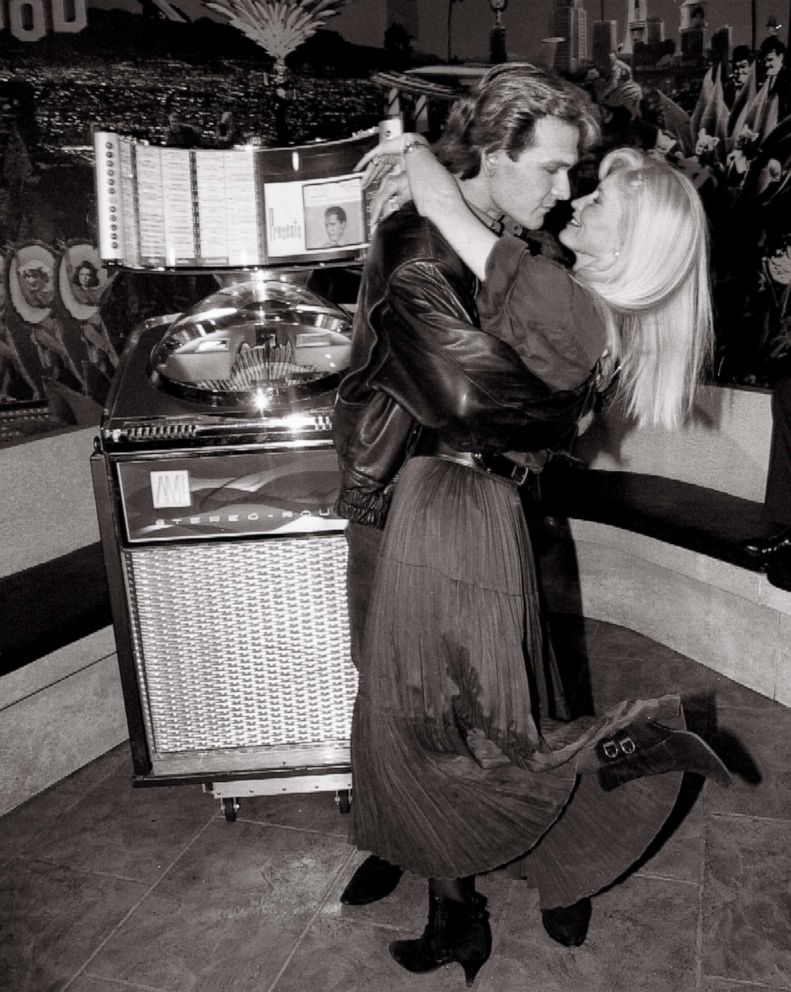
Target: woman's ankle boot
650,748
456,932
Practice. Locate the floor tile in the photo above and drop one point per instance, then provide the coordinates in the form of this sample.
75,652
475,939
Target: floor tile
37,815
634,666
305,811
747,901
52,919
406,909
723,985
755,743
642,937
338,955
133,889
126,831
87,984
678,851
228,913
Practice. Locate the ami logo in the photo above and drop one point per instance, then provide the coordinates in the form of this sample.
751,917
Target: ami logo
170,489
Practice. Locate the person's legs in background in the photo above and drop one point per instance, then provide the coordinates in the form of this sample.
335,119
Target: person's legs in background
775,549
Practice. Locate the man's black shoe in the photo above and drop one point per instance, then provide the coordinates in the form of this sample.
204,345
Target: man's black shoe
779,571
373,880
568,925
767,547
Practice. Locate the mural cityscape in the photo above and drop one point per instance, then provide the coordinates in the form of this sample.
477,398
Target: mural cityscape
719,111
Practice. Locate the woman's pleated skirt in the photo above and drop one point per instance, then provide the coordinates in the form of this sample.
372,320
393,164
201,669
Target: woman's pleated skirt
457,767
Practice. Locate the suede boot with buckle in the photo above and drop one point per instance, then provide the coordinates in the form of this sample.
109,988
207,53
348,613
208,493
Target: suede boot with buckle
650,748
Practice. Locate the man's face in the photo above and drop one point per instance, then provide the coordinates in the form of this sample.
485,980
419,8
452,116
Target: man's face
33,279
773,62
741,70
334,227
528,188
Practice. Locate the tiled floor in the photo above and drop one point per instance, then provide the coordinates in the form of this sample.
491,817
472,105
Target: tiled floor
105,888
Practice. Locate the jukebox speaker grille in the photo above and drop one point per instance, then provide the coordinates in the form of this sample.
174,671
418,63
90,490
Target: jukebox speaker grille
243,644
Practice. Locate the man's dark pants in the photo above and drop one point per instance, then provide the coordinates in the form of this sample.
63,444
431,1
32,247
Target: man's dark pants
777,501
364,543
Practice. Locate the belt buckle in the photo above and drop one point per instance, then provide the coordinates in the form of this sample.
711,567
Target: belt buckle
519,474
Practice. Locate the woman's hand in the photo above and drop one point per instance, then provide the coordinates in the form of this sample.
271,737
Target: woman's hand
383,167
405,167
388,156
393,192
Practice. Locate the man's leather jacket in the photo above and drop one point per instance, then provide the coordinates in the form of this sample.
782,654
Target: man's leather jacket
419,363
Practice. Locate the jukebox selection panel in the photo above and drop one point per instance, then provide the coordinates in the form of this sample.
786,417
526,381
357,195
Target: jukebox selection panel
240,207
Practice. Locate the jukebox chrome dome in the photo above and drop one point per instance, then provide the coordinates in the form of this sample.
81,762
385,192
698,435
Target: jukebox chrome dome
257,343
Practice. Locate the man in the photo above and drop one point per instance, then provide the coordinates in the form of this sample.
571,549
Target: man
774,96
741,61
545,123
181,135
335,226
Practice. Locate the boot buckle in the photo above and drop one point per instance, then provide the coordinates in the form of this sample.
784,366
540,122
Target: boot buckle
609,749
627,745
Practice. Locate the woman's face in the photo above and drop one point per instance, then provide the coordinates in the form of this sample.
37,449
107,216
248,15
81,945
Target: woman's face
594,231
84,275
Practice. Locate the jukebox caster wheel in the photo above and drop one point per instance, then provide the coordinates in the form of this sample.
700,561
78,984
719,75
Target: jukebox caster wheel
230,808
343,797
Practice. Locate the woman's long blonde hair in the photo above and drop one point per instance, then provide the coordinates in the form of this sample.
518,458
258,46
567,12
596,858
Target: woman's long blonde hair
656,288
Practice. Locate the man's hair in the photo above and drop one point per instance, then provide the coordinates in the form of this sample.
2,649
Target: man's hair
337,212
741,53
771,44
34,269
501,113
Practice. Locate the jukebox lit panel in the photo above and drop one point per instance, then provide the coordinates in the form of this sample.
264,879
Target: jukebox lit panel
242,653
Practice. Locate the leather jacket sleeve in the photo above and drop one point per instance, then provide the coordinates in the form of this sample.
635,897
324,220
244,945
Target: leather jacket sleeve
456,379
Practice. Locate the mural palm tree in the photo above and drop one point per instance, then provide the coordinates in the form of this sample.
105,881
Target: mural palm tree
278,26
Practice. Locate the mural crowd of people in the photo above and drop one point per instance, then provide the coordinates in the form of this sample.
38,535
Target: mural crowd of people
732,136
735,144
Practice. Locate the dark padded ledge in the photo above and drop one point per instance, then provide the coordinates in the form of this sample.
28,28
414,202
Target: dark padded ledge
704,520
47,606
50,605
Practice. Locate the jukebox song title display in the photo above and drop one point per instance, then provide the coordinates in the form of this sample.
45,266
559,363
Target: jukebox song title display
237,207
214,470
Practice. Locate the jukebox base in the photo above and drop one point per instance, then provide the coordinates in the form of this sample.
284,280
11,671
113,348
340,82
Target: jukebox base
230,792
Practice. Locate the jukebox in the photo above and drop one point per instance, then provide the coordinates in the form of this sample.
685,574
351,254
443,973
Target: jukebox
215,478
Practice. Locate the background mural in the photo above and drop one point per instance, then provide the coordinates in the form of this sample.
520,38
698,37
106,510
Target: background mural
722,116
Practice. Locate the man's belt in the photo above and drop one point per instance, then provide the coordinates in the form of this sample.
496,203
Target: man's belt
500,465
